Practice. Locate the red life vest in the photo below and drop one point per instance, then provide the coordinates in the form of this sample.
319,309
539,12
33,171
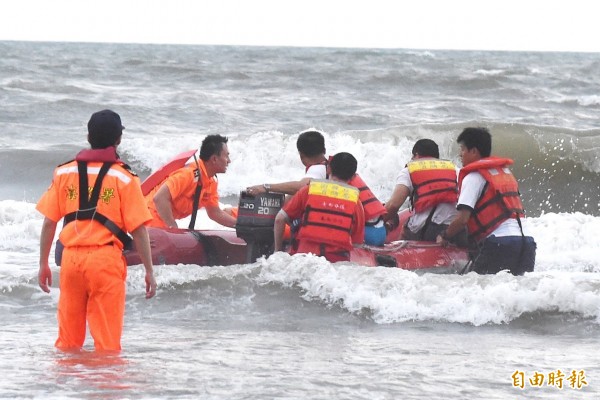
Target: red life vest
108,154
373,207
329,213
500,199
434,182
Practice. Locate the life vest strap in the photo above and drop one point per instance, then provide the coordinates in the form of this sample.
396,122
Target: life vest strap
435,191
88,205
427,223
326,211
197,193
506,214
499,198
92,214
330,226
306,221
372,199
433,181
90,200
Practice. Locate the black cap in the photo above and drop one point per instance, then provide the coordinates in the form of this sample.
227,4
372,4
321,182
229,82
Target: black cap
104,129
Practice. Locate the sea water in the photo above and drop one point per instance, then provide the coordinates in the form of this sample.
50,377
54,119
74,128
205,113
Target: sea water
298,327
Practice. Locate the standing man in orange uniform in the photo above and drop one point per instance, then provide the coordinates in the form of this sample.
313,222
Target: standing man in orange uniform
194,186
101,201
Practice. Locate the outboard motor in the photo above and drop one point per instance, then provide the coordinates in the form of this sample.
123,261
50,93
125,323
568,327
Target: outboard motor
255,221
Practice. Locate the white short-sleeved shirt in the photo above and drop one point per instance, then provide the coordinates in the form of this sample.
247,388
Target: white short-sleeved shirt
317,171
470,191
444,213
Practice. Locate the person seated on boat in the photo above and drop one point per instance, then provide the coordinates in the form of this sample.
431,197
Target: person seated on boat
490,207
430,184
331,215
375,231
192,187
311,148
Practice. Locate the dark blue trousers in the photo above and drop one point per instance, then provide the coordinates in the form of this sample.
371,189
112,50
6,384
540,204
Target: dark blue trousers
514,253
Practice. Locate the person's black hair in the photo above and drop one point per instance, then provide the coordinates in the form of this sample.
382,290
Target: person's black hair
426,148
311,143
212,145
343,166
479,138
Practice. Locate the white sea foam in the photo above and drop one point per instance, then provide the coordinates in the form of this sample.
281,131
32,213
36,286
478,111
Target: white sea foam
567,242
583,100
490,72
393,295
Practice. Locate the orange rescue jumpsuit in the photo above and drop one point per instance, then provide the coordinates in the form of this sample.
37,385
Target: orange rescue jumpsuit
182,186
93,270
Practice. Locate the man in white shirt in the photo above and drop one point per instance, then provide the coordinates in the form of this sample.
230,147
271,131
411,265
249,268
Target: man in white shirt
311,148
430,184
489,206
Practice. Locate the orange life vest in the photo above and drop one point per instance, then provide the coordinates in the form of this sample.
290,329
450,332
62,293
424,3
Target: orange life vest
500,199
434,182
328,216
373,207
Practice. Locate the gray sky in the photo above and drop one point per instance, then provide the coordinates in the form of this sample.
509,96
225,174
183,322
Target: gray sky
550,25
